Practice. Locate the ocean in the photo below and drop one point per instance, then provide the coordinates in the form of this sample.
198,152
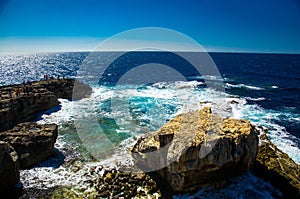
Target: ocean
133,96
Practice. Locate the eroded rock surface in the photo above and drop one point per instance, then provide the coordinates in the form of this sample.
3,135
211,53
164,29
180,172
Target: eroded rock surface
32,142
197,149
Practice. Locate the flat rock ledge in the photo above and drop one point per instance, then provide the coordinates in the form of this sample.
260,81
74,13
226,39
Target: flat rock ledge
275,166
198,149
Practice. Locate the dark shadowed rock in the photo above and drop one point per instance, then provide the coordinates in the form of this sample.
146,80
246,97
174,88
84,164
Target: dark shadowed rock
32,142
9,167
197,149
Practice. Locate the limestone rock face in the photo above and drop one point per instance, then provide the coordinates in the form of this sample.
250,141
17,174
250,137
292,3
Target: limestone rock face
25,106
9,167
21,103
197,149
277,167
32,142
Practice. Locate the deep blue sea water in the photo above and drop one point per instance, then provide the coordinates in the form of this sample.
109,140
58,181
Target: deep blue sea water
263,88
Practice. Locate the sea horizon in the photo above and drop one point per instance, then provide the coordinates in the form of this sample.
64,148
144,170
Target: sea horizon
124,51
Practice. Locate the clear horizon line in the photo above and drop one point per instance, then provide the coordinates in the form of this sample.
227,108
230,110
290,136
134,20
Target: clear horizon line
152,50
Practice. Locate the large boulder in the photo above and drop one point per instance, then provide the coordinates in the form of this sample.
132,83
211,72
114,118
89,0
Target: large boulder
9,167
32,142
277,167
198,149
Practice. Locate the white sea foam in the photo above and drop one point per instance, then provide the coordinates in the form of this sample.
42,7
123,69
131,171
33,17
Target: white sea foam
267,118
228,85
46,174
63,116
209,77
255,99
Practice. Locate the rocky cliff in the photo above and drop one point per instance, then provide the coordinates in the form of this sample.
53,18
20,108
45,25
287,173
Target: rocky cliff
9,167
277,167
197,149
22,102
32,142
29,143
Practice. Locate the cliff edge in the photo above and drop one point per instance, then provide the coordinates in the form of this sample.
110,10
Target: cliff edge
23,102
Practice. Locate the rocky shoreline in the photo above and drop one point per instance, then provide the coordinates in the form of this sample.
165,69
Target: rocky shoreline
193,150
24,102
25,143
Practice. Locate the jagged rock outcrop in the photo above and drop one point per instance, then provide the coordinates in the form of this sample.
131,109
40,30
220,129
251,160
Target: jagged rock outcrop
9,167
21,103
277,167
197,149
32,142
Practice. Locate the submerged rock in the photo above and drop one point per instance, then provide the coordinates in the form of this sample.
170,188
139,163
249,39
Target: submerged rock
32,142
198,149
277,167
9,167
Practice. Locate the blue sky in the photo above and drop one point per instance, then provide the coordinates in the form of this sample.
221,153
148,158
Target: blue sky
218,25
